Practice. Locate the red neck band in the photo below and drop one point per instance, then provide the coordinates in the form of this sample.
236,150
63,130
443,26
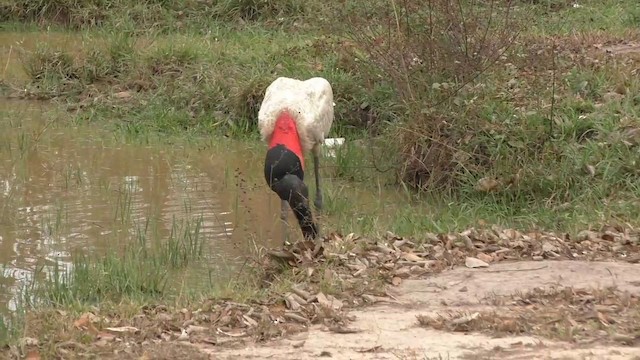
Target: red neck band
286,133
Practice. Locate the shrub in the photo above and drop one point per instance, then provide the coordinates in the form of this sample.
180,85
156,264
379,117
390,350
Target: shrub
429,52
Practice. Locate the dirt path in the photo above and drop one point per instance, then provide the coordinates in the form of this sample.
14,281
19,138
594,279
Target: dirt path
391,330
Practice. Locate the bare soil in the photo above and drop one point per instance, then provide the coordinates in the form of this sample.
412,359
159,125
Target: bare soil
623,48
391,330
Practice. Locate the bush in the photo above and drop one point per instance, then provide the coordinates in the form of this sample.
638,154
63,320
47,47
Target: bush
429,52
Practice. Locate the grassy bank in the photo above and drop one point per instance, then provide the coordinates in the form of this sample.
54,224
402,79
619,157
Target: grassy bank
524,113
538,130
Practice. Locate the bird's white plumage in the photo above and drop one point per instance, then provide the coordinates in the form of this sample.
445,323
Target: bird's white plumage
310,103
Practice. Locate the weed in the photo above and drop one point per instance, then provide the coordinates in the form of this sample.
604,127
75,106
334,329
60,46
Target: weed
251,10
46,63
155,15
142,269
633,17
184,244
7,331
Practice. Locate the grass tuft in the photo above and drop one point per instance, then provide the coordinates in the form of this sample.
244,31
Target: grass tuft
252,10
146,267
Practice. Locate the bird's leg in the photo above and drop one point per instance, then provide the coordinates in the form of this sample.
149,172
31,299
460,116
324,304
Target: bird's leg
284,208
316,167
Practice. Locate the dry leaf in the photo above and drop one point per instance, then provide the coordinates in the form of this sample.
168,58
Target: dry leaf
403,272
122,94
184,336
291,302
85,322
296,317
195,329
329,301
603,320
123,329
233,333
411,257
210,340
369,298
485,257
350,237
472,263
303,294
28,341
465,319
487,184
33,354
591,170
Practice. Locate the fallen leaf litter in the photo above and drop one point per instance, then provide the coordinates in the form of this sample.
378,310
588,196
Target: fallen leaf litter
363,268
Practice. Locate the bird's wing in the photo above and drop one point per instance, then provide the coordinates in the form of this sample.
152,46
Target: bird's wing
320,98
311,104
277,97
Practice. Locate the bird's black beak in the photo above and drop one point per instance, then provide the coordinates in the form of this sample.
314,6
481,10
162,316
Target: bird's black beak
293,190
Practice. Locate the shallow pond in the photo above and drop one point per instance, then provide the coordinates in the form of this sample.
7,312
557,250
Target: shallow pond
66,189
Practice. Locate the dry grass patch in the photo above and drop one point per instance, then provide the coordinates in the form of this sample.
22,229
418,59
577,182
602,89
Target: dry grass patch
569,314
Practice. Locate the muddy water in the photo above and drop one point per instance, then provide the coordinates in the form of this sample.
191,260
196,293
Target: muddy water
64,190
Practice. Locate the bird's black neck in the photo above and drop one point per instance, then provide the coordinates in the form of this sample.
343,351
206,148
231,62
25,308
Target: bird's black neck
279,162
284,174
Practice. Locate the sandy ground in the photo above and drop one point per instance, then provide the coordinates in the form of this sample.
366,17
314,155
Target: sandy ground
390,330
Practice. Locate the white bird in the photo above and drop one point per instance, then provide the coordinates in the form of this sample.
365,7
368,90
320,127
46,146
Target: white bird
294,118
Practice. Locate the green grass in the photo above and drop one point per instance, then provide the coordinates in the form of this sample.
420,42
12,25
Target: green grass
146,268
612,16
189,83
156,15
186,84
